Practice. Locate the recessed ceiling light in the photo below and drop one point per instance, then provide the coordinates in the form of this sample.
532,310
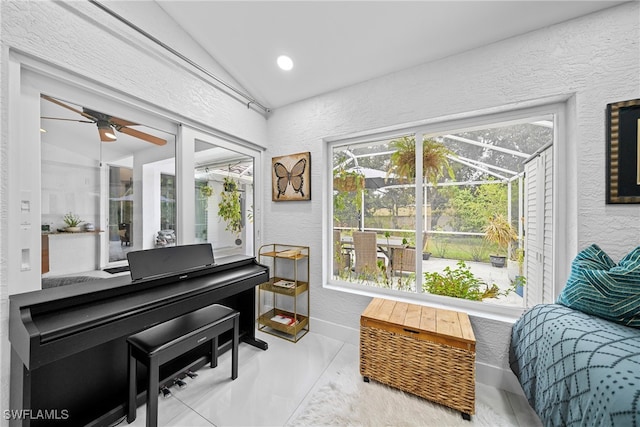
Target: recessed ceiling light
285,62
43,130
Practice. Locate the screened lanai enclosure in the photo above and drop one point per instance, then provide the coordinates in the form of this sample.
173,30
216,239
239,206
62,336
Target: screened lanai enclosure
424,223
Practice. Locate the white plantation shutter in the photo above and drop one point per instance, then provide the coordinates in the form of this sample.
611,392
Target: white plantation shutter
539,228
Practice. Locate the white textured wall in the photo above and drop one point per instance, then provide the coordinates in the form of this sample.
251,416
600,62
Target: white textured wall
78,37
595,57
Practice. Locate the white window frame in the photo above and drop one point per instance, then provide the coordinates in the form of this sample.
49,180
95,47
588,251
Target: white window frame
563,237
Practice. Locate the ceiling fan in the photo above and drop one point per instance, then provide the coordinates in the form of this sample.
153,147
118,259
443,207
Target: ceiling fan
107,125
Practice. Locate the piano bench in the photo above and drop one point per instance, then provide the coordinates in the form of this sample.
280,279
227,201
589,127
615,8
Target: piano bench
166,341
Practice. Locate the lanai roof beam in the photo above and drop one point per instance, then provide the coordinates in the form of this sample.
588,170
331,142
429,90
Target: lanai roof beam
471,165
489,146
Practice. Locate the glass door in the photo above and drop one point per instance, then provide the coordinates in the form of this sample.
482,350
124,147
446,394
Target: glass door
223,194
109,173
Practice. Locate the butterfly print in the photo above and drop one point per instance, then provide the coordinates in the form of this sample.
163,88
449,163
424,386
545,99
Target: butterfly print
293,177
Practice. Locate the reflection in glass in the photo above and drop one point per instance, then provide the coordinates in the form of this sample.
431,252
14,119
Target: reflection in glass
110,172
224,199
120,209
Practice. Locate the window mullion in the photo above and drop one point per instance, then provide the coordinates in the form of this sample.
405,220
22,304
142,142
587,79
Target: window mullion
420,202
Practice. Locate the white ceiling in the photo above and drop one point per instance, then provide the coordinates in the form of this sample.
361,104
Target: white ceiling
339,43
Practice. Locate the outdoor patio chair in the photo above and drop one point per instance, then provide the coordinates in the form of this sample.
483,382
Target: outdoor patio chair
365,246
341,255
403,259
124,231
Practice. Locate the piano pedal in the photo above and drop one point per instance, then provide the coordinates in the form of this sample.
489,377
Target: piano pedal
191,374
179,383
165,391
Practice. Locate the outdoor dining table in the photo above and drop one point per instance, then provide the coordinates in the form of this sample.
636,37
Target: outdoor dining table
385,245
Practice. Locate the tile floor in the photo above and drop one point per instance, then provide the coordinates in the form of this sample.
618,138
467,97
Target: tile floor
272,386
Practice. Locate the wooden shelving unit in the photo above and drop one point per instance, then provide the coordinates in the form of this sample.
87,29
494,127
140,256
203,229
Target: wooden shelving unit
287,263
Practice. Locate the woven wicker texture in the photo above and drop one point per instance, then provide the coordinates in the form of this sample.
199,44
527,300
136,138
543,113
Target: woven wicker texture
366,251
341,256
436,372
403,259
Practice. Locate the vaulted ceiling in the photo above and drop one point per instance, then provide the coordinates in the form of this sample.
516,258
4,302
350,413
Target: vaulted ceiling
339,43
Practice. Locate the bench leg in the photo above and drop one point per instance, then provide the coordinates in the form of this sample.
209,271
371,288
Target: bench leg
234,349
214,352
152,393
133,391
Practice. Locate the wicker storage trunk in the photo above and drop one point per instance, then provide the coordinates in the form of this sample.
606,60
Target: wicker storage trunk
425,351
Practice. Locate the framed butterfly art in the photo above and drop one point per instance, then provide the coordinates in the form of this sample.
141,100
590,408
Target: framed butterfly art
291,177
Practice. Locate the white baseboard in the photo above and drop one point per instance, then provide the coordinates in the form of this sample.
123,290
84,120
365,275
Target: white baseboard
490,375
497,377
334,330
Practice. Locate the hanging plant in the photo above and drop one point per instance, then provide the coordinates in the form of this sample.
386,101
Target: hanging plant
344,180
435,162
230,208
229,184
349,181
206,191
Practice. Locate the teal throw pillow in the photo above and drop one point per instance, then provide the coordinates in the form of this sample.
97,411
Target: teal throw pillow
599,287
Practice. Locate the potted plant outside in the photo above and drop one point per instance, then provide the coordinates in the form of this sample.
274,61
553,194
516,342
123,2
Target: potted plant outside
518,284
72,222
520,280
500,232
425,247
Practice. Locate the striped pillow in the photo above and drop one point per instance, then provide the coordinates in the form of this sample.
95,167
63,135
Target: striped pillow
599,287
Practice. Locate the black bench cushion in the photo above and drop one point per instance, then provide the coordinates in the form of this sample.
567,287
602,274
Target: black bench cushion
173,331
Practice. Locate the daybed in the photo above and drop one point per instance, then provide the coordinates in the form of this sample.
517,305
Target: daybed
579,361
577,369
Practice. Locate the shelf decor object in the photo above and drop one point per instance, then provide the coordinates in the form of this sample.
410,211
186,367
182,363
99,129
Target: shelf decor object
284,299
623,152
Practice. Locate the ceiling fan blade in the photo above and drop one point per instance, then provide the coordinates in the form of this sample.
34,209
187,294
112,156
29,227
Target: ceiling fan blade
68,120
68,107
121,122
142,135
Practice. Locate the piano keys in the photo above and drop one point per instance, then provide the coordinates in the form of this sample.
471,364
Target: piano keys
68,344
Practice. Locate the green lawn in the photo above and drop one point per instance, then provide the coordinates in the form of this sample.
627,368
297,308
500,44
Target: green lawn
465,248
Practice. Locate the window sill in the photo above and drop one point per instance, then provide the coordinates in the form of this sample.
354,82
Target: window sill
495,312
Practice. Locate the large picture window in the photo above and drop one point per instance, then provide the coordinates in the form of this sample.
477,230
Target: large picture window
451,224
